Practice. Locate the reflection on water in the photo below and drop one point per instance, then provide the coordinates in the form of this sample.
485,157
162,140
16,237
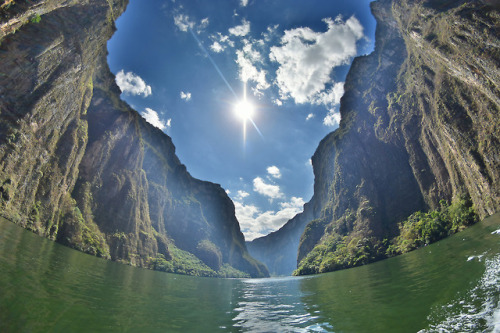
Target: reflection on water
47,287
452,285
274,305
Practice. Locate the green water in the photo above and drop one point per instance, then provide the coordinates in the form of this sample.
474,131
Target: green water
450,286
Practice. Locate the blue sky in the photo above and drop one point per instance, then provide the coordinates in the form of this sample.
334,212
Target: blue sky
185,66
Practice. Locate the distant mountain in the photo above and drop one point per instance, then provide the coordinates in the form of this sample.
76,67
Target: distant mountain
81,167
420,131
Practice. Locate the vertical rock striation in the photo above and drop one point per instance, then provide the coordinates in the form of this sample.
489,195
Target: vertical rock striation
420,124
79,166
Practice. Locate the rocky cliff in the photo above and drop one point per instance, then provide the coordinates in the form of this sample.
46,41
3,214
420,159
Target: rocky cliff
420,131
79,166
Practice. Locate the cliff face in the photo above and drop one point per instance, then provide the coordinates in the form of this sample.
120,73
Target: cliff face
79,166
420,124
278,250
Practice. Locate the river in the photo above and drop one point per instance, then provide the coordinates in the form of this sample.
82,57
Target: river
449,286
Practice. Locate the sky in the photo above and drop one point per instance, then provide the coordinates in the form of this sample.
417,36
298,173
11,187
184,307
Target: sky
246,89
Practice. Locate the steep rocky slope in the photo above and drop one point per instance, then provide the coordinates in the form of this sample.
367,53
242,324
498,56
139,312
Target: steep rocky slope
79,166
420,124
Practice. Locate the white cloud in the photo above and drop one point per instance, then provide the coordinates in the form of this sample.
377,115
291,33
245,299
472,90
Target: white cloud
204,23
249,72
268,190
244,3
310,116
306,59
274,171
217,47
228,192
332,96
255,223
295,203
250,52
133,84
183,22
225,39
246,217
278,102
240,30
220,42
185,96
202,26
332,118
247,58
152,117
241,195
270,33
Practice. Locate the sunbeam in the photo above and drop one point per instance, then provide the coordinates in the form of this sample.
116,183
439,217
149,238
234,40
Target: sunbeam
213,62
245,110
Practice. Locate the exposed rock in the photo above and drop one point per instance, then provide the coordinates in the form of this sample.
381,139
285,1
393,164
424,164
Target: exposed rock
79,166
420,123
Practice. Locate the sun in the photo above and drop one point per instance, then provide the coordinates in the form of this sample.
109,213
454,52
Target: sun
244,110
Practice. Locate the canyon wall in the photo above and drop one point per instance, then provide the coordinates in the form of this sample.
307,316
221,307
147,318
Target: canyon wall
420,124
81,167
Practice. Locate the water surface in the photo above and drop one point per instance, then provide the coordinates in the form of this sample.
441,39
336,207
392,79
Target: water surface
452,285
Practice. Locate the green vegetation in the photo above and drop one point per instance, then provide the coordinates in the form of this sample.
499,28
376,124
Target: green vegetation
421,229
228,271
82,132
108,198
76,233
34,217
339,252
36,18
5,192
183,262
12,136
210,254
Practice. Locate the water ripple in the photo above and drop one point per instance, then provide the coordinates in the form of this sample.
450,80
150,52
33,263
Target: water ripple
478,310
274,307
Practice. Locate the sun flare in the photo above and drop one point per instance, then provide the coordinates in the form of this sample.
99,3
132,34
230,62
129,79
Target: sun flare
244,110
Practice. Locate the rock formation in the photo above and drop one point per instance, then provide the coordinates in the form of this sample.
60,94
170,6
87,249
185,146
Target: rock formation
79,166
420,124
